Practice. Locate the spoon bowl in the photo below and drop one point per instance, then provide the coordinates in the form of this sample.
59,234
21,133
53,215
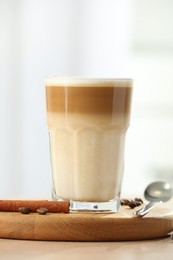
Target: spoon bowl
156,192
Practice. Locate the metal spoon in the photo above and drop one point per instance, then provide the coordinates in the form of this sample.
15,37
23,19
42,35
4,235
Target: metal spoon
156,192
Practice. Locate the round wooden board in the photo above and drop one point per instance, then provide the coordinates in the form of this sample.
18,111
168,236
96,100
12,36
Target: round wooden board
121,226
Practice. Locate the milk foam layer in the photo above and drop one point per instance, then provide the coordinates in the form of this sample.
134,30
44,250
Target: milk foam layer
87,128
89,82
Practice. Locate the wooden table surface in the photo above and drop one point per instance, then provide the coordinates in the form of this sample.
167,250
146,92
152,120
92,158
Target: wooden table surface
159,249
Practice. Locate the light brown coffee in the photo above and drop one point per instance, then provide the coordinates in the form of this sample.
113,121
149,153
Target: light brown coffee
87,120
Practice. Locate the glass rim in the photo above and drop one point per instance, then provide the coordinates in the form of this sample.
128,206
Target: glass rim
88,81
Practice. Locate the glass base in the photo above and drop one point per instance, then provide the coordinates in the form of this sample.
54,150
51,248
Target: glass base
97,207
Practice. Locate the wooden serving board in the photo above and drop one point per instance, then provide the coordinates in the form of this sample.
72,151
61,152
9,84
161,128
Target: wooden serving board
121,226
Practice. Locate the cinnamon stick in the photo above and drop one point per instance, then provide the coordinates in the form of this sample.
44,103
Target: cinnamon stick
52,206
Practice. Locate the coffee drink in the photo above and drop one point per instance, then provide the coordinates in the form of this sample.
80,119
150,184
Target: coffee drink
87,121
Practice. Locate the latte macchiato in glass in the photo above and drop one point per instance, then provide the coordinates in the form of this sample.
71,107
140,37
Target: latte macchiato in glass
87,120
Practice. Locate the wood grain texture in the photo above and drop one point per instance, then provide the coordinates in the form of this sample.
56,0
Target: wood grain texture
86,227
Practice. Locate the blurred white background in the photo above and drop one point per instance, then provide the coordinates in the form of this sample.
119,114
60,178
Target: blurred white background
100,38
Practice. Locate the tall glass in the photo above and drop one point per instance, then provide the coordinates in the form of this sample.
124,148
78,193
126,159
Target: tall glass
87,120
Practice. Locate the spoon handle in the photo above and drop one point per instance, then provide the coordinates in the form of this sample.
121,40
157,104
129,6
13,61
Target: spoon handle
143,211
